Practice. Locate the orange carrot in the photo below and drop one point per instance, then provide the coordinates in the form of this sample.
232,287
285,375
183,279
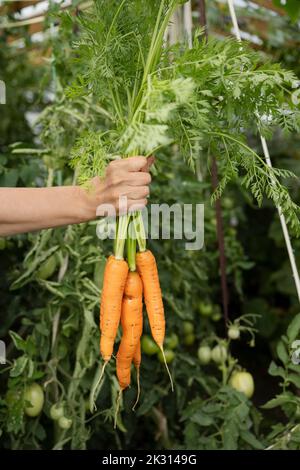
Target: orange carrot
115,276
147,268
132,326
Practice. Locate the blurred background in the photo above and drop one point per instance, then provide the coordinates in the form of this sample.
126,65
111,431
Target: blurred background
50,281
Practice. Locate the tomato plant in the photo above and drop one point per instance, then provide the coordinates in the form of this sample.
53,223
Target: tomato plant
49,317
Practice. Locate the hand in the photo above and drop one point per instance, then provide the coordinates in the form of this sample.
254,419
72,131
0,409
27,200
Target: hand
124,187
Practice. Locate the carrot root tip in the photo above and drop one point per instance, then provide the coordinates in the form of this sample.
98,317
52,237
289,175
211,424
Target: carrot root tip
138,388
94,391
117,408
168,370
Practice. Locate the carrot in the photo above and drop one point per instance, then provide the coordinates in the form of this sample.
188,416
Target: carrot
114,279
147,268
115,276
132,326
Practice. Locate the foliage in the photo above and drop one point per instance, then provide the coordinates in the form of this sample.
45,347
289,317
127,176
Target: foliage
50,323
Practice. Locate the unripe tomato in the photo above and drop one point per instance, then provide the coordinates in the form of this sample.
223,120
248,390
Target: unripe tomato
228,203
56,411
204,354
205,309
64,423
242,382
149,346
169,354
34,400
2,243
188,327
171,342
47,268
216,316
234,332
219,353
189,339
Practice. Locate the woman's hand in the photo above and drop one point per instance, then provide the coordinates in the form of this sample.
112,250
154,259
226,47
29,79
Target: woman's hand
125,187
30,209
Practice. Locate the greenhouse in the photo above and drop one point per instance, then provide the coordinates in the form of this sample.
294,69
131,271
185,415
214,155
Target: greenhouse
150,227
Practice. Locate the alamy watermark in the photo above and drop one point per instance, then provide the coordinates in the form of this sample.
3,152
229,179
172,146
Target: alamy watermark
2,92
161,221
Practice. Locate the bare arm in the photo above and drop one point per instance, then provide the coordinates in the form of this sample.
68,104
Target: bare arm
30,209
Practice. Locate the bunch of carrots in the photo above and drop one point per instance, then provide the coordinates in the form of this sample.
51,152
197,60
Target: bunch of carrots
125,284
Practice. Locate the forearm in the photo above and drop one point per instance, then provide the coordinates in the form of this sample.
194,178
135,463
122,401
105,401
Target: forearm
31,209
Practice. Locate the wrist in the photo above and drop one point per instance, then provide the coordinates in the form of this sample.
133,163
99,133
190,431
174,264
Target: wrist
87,203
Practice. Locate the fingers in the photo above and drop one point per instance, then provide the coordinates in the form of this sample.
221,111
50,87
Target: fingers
131,205
129,164
149,163
138,192
139,178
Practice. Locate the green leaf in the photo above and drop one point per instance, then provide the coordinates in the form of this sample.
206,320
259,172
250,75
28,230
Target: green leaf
230,435
278,401
295,379
202,419
276,371
19,366
19,342
293,331
282,353
250,439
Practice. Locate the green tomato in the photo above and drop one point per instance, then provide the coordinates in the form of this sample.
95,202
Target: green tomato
2,243
149,346
205,309
171,342
216,316
228,203
47,268
189,339
232,232
204,354
56,411
234,332
219,353
34,400
64,423
242,382
169,354
188,327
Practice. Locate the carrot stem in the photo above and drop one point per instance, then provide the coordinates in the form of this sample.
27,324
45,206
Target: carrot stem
140,230
121,236
131,247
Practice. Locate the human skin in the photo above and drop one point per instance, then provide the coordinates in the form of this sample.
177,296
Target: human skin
31,209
